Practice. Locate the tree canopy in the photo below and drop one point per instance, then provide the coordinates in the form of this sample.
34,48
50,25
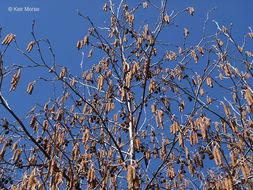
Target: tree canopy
147,113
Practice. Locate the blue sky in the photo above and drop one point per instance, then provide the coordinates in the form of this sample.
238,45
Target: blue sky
59,22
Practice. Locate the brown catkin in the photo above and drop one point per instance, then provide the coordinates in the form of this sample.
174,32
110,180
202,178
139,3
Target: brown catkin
79,45
194,54
186,32
105,7
3,151
30,88
191,10
130,177
249,96
14,146
180,140
86,40
145,5
30,47
5,39
167,19
62,73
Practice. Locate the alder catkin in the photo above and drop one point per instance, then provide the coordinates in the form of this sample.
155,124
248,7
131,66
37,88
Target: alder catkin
249,96
14,146
5,39
30,47
167,19
194,55
62,73
145,5
86,40
30,88
105,7
191,10
8,39
186,32
130,177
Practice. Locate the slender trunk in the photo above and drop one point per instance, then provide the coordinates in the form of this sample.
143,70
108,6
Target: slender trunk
131,134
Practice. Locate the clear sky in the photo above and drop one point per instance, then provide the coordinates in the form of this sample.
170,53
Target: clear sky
59,22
